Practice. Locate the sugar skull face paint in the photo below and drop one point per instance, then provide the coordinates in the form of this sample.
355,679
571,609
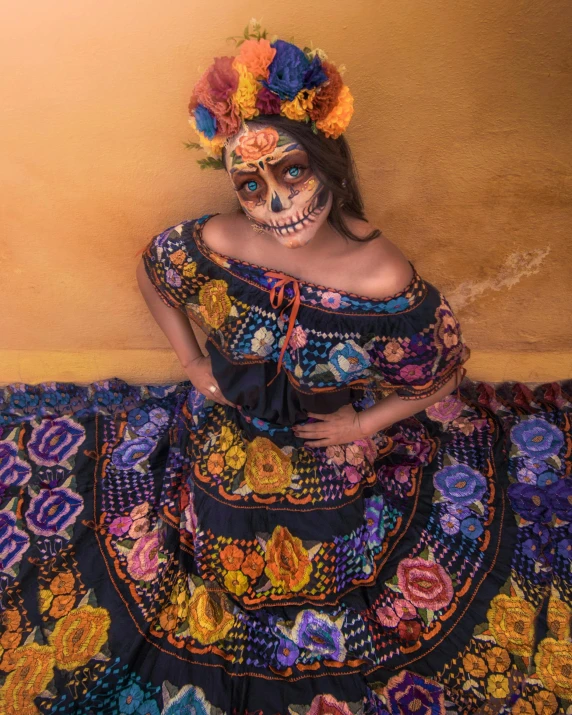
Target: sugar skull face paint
275,185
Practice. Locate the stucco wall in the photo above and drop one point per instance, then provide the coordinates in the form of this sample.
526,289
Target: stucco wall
461,133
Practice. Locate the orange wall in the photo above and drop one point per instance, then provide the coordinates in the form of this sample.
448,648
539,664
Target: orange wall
461,133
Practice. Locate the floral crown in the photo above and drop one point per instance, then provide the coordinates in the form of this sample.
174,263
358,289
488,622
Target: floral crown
266,77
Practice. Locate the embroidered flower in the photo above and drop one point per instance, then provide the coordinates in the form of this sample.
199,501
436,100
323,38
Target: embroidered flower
387,616
328,705
54,441
448,329
32,668
348,360
253,564
287,562
498,659
139,527
262,342
331,300
404,609
352,475
537,438
214,302
13,470
409,693
215,463
511,621
374,522
256,56
425,584
474,665
319,635
131,452
354,454
120,525
79,636
143,559
529,501
253,145
287,652
13,541
53,510
209,618
393,352
189,699
471,527
409,630
559,618
446,410
298,338
545,703
337,121
336,454
235,457
449,523
554,666
460,484
232,557
236,582
560,498
267,470
410,373
497,685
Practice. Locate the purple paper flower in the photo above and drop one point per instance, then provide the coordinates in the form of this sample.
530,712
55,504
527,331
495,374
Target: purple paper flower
319,634
287,652
205,121
408,693
268,102
131,452
374,520
13,470
52,510
290,71
449,523
529,501
13,541
460,484
560,498
471,527
55,440
537,438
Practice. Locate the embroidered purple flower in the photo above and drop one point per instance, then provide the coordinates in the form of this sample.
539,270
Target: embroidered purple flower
290,71
348,360
537,438
526,476
206,122
565,548
410,373
449,523
560,498
287,652
173,278
120,525
55,440
149,429
531,549
535,465
319,634
471,527
53,510
529,501
159,416
13,470
13,541
132,451
374,523
408,693
446,410
459,511
460,484
138,417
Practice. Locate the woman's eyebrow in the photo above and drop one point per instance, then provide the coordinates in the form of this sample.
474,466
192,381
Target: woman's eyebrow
255,168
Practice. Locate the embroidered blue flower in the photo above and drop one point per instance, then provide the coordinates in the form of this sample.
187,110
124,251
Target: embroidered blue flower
13,541
374,522
460,483
397,304
348,361
471,527
537,438
546,478
130,699
13,470
148,707
319,634
560,498
190,699
54,441
205,121
137,417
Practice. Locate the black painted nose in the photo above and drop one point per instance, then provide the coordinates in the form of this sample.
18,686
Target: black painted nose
276,204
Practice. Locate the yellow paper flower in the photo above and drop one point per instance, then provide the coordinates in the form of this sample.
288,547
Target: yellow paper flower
212,147
209,619
245,95
79,636
298,107
336,122
554,666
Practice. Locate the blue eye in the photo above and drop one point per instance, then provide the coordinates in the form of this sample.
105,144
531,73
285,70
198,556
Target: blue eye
251,185
295,169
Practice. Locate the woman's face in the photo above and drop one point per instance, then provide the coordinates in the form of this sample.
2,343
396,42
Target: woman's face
275,185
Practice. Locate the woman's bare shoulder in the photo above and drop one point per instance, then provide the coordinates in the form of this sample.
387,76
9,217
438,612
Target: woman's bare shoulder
223,231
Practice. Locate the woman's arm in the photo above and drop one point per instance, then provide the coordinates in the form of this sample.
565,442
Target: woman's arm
177,328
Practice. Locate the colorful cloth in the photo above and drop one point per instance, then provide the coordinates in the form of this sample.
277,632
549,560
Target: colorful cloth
162,553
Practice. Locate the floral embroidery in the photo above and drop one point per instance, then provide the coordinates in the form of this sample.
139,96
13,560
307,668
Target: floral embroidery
267,469
554,665
511,621
262,342
287,562
209,618
214,302
79,636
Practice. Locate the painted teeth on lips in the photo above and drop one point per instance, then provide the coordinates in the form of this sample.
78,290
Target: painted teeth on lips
298,225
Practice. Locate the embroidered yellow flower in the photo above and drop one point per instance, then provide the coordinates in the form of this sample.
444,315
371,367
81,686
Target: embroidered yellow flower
287,562
214,302
45,601
498,659
236,582
559,617
554,666
33,668
497,686
79,636
235,457
209,618
474,665
245,95
190,269
511,621
336,122
268,470
225,439
298,107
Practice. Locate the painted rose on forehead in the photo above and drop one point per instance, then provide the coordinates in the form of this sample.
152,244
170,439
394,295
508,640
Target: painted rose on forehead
275,184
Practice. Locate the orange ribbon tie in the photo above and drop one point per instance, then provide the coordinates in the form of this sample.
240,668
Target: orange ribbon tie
277,294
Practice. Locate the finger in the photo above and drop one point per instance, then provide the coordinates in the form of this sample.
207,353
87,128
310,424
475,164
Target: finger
317,416
324,442
311,430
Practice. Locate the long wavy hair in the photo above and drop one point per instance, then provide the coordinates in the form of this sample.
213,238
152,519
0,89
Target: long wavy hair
332,161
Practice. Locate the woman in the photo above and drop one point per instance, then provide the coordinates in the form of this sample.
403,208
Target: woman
315,523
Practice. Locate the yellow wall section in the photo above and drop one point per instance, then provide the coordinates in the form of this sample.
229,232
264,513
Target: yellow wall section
461,134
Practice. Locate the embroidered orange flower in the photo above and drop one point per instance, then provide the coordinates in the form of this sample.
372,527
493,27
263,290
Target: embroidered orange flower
62,605
62,583
522,707
236,582
11,619
511,621
10,639
33,669
254,144
168,618
178,257
268,470
498,660
393,352
214,303
79,636
545,703
559,616
287,563
232,557
474,665
256,56
215,463
336,122
554,666
209,618
253,565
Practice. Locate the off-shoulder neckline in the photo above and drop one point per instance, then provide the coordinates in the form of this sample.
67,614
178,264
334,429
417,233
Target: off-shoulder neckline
209,252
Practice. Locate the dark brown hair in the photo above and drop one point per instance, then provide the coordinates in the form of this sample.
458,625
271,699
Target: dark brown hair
331,160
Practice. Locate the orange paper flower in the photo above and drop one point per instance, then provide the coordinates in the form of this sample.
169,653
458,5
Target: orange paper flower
256,56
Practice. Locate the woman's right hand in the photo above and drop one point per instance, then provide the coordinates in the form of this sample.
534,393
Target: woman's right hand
200,374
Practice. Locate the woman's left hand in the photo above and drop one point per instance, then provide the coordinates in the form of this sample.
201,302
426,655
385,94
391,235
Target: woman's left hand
338,427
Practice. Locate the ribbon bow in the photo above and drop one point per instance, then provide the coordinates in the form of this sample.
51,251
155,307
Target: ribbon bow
277,295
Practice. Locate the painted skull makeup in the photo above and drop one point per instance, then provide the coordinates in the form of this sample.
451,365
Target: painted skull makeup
275,185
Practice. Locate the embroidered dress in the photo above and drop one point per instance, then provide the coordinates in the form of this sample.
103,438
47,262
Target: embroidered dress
162,553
